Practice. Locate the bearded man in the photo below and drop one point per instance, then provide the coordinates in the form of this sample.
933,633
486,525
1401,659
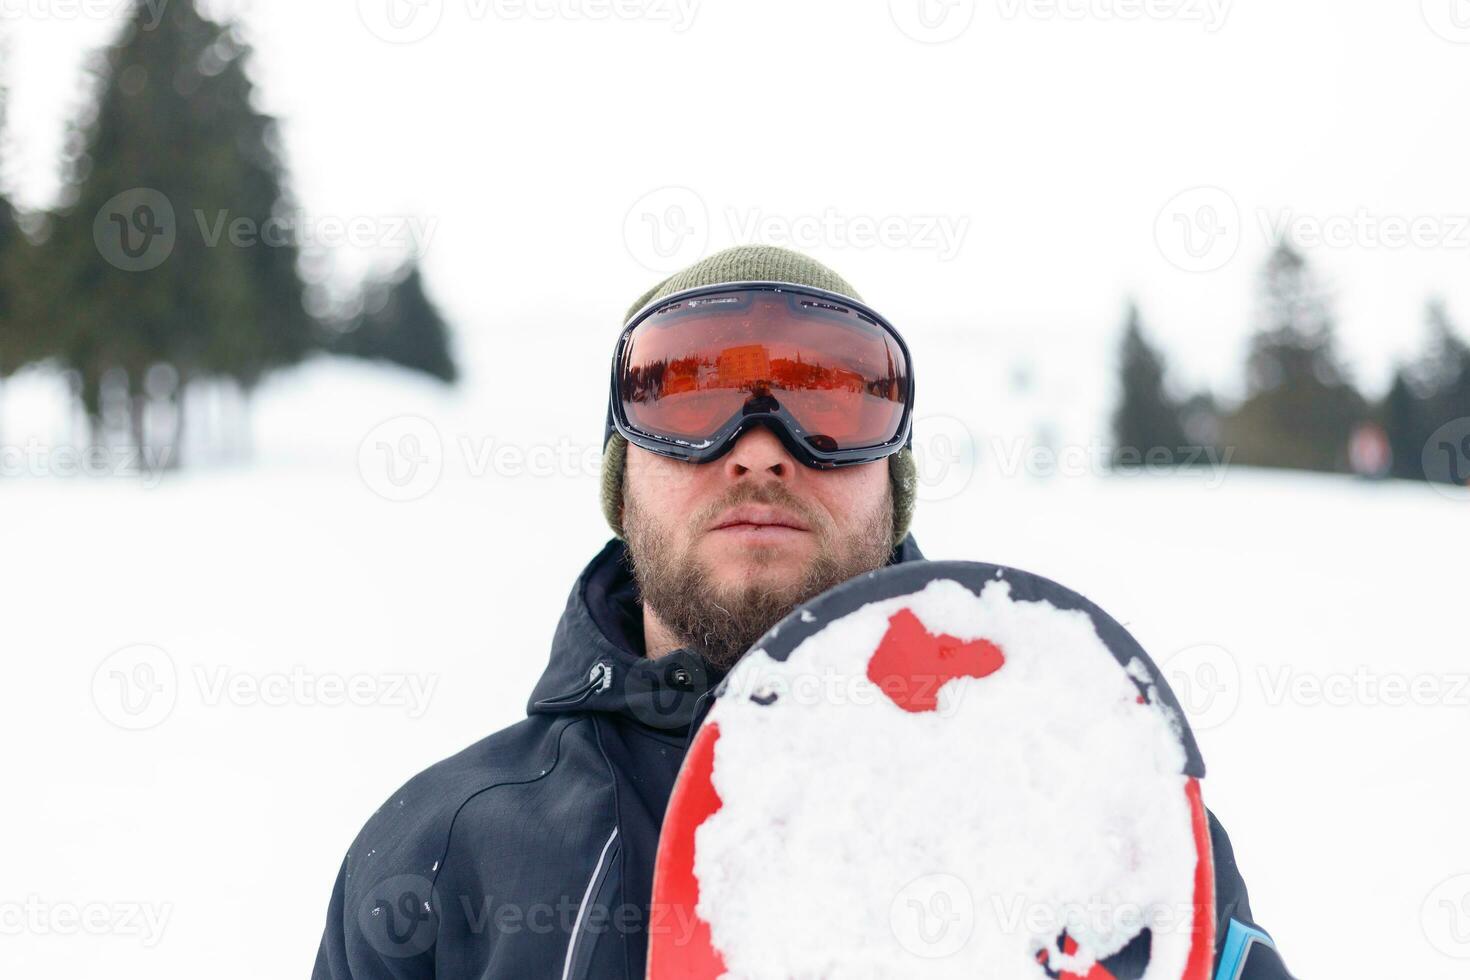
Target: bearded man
756,453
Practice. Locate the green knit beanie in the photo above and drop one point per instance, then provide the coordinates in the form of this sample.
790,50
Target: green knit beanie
752,263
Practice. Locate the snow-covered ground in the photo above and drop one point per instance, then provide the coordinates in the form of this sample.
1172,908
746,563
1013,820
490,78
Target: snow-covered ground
210,683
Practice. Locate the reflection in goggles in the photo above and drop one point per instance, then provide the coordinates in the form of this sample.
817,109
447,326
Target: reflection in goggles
751,367
831,373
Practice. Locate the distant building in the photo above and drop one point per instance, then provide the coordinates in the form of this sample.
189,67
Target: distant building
740,366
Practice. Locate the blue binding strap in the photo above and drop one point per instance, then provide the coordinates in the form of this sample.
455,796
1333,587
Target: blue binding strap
1238,942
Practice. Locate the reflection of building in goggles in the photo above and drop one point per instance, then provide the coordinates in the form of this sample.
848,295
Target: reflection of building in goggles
751,367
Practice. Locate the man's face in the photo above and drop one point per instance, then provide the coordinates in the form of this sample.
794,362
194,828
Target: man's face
723,550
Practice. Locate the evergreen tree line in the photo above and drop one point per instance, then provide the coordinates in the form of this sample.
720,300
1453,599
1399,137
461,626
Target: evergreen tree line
1301,409
123,290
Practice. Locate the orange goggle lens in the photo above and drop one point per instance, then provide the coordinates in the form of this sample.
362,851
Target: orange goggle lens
690,367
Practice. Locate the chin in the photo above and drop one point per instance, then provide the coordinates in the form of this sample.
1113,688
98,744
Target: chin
740,561
759,580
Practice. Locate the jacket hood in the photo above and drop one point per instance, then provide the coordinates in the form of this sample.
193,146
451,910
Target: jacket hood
597,661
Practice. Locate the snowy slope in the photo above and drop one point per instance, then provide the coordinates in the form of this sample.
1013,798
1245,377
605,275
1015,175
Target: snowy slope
226,817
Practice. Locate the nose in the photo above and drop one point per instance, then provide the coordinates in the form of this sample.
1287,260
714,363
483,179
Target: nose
758,452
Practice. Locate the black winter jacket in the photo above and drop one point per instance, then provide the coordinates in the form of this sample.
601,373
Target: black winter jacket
530,854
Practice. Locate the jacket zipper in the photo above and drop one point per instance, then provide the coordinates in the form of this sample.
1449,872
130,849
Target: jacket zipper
701,708
566,970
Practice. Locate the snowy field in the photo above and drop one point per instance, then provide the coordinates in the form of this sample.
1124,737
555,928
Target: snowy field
211,682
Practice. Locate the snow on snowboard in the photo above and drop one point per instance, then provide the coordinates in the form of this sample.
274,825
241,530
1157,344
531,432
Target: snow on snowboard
939,769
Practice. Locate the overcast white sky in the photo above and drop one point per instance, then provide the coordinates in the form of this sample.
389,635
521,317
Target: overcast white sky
1023,175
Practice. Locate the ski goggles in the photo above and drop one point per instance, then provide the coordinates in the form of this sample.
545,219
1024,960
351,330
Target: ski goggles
829,376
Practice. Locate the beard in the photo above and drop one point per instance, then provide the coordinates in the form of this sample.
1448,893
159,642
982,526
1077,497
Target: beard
720,622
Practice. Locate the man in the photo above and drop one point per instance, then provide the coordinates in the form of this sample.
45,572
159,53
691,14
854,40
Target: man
756,454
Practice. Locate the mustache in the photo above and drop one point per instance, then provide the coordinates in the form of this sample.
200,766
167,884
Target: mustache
770,494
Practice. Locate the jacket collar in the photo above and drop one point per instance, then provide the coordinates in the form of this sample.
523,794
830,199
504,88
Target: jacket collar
597,662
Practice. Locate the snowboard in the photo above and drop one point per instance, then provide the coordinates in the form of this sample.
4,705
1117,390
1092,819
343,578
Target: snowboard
938,769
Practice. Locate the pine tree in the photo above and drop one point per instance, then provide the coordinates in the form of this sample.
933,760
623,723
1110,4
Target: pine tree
1445,368
21,342
1403,417
1294,340
400,324
1147,424
168,159
1300,408
12,351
